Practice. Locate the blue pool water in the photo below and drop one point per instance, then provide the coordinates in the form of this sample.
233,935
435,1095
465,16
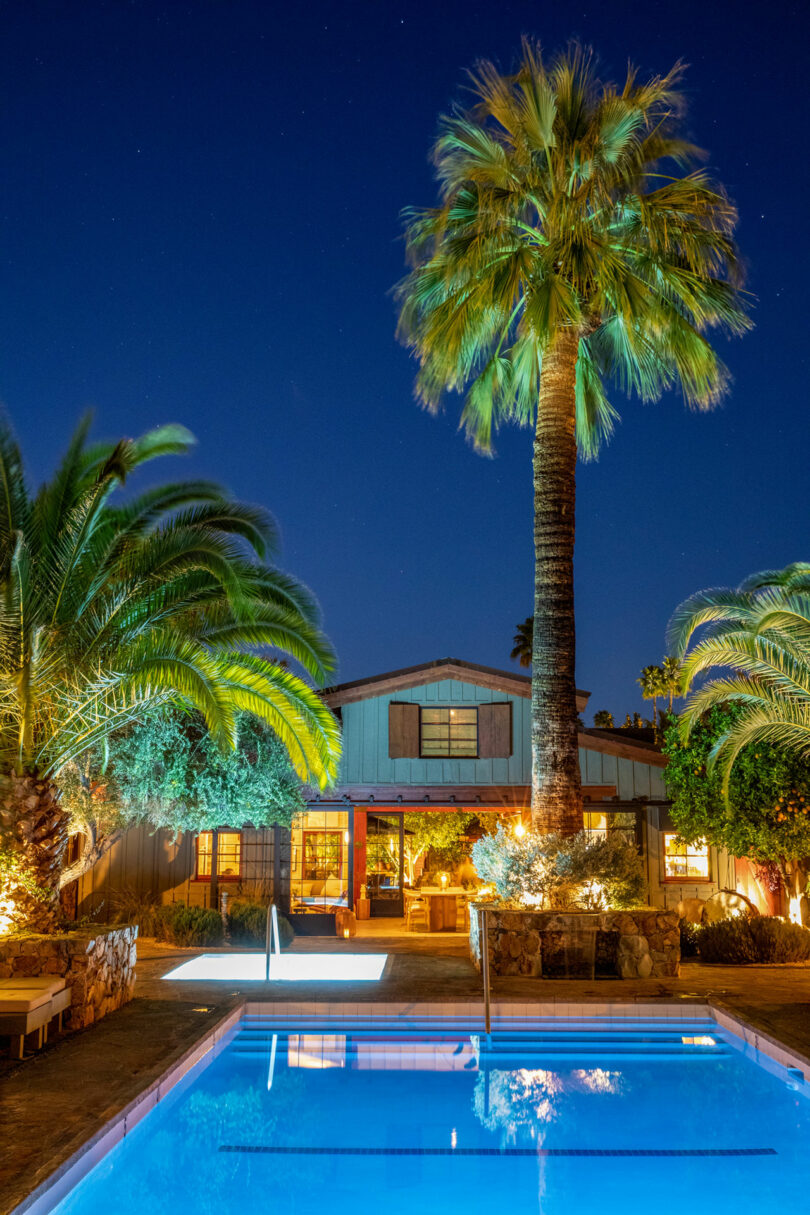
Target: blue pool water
549,1117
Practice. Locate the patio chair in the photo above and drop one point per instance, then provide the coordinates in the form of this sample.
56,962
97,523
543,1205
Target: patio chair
417,912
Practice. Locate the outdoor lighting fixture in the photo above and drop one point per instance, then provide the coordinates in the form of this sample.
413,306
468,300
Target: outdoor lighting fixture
444,878
346,934
345,837
284,967
520,830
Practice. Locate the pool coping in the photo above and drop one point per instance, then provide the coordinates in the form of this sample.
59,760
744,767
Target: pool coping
78,1164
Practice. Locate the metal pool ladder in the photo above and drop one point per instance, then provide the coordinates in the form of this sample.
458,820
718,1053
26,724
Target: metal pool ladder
271,933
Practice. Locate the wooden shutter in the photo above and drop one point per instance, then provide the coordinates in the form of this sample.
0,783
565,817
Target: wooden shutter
403,730
495,730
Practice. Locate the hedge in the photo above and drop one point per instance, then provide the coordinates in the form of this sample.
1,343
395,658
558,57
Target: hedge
761,939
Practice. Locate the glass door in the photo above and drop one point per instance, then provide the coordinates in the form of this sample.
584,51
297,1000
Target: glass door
384,855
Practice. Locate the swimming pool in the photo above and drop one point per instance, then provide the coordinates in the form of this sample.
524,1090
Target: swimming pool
314,1116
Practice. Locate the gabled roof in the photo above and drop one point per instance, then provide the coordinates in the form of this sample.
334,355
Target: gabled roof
508,682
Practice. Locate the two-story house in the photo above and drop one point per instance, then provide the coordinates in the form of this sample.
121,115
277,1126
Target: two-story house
443,735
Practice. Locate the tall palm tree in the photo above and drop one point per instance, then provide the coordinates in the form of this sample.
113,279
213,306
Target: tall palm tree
651,683
570,247
522,649
673,679
759,636
110,611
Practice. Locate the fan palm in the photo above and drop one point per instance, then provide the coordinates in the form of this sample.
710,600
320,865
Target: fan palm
562,256
522,648
672,678
652,686
109,611
759,634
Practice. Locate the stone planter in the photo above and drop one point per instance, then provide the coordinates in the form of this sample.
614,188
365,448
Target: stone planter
639,944
98,965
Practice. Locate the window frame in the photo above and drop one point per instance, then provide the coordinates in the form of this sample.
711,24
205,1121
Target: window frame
340,833
684,879
221,877
448,709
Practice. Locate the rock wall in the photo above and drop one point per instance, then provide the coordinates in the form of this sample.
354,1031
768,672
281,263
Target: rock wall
99,967
639,944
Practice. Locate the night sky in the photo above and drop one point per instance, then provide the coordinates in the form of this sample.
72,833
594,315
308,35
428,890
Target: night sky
200,223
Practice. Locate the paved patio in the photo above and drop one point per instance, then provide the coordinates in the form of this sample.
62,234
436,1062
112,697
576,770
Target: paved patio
54,1101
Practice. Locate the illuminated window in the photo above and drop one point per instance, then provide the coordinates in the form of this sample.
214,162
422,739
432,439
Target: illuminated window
229,855
685,861
449,732
319,861
598,824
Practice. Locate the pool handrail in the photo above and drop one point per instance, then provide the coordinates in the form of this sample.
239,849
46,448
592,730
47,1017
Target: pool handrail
271,929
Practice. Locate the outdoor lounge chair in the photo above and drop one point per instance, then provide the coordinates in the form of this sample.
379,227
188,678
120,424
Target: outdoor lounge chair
27,1004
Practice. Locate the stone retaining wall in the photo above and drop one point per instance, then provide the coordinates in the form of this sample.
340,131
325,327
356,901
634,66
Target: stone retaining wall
99,967
637,944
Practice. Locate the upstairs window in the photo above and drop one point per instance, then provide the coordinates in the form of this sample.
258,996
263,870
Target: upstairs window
685,862
229,855
449,732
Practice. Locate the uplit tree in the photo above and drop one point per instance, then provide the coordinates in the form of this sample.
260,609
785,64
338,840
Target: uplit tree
571,247
603,719
763,815
113,611
758,637
168,771
442,830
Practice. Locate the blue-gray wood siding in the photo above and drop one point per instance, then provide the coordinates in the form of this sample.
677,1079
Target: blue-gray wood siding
366,760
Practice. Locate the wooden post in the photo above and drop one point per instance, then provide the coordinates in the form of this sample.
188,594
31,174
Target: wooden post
213,889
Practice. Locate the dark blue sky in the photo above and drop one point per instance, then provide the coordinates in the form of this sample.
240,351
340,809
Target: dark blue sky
200,223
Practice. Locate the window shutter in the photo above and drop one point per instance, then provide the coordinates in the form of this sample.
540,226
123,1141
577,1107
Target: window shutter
403,731
495,730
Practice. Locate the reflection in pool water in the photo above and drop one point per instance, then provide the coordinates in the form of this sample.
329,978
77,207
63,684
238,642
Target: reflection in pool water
310,1116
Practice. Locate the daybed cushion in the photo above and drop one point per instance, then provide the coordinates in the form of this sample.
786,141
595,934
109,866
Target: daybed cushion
20,1000
50,984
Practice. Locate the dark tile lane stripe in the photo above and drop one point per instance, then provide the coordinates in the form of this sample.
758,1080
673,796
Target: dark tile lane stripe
493,1151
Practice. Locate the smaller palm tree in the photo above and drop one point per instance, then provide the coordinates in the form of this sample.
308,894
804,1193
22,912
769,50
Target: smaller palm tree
672,671
524,640
603,719
758,635
651,682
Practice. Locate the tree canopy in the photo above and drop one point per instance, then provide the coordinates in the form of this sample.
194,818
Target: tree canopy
168,772
766,813
758,637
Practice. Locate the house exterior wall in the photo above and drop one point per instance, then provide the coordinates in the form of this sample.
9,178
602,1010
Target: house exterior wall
366,760
161,865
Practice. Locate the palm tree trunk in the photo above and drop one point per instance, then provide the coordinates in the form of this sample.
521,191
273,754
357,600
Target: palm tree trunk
556,792
33,829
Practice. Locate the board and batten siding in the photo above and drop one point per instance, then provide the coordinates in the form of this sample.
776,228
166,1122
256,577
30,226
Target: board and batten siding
160,865
366,759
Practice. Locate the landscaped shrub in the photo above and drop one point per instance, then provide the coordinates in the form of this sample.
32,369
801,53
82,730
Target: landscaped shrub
247,924
181,925
130,907
552,871
764,939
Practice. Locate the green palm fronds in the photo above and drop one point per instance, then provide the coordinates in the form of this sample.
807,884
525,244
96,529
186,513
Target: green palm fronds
110,610
759,636
523,642
568,203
